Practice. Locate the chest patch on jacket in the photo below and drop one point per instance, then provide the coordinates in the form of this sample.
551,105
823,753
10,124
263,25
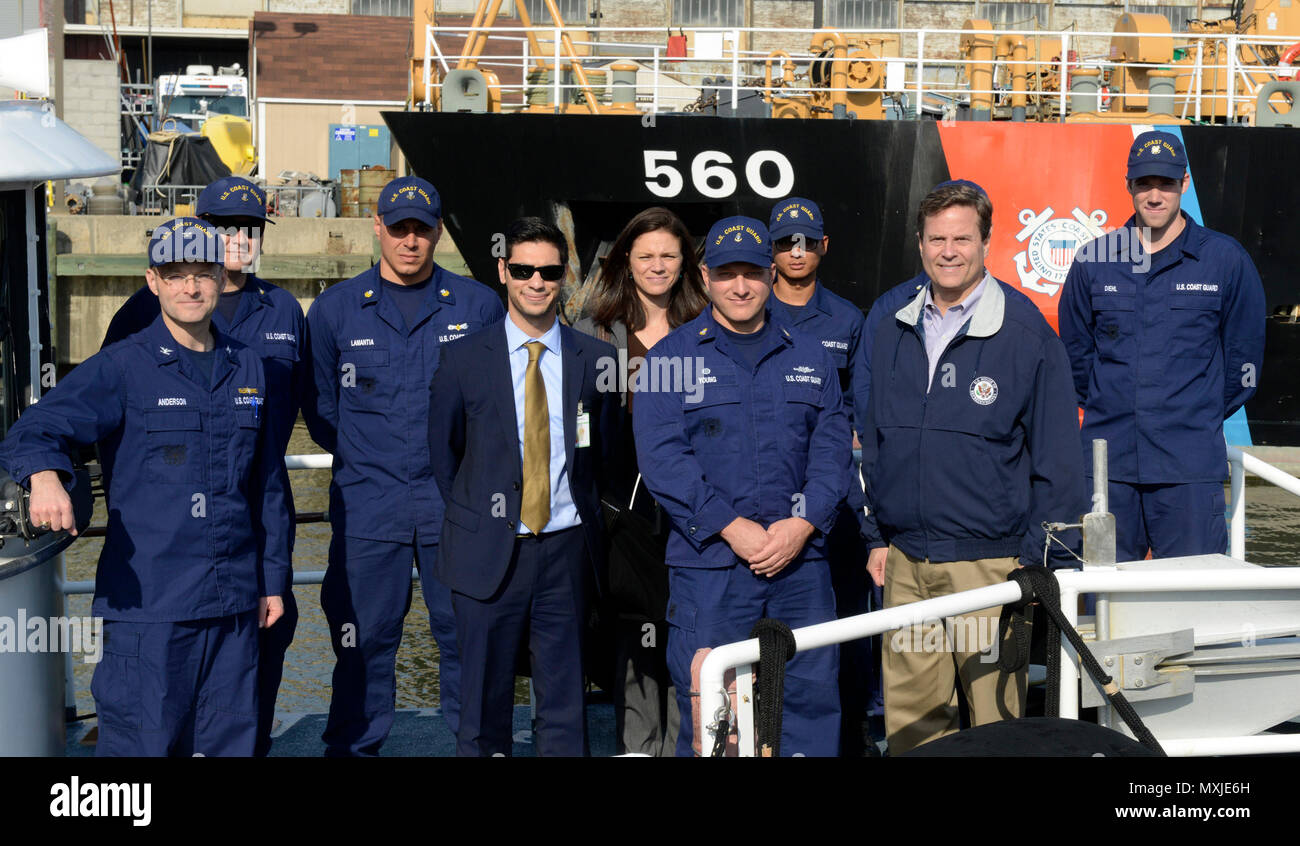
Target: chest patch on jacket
984,390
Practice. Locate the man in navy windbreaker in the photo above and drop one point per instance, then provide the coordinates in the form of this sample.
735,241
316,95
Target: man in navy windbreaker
196,555
967,447
1164,323
750,458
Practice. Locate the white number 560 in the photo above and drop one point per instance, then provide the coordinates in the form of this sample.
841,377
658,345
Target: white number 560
712,177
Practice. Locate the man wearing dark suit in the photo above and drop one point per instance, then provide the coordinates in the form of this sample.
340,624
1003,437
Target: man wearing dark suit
523,535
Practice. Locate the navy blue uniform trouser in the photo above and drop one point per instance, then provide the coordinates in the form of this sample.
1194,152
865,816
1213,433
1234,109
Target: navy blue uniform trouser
710,607
365,596
272,644
542,602
1170,520
178,689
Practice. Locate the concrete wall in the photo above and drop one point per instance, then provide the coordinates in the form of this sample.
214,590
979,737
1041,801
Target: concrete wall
297,135
90,102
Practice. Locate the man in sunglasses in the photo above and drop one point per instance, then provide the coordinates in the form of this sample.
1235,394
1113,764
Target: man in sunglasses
376,340
268,319
196,554
799,244
522,440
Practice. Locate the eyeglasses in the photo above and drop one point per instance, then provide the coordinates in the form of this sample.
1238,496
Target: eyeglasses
785,245
175,280
549,272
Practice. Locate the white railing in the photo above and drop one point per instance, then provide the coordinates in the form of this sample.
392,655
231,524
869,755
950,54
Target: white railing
743,655
1239,463
736,66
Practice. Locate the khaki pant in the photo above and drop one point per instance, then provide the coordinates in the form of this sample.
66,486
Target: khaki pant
921,665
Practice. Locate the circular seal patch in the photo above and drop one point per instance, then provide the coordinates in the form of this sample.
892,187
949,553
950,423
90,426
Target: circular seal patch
984,390
1052,246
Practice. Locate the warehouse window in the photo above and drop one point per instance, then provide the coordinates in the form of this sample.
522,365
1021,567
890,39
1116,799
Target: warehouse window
1014,15
574,12
860,14
382,8
708,13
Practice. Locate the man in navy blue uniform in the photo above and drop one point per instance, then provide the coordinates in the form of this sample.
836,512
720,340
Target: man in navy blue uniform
967,438
523,537
375,344
269,320
1164,323
799,243
197,556
751,461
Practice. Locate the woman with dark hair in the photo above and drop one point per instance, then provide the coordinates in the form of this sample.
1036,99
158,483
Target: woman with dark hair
649,285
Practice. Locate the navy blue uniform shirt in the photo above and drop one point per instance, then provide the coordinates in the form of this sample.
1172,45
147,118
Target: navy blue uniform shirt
837,324
371,398
765,443
270,321
1162,357
198,518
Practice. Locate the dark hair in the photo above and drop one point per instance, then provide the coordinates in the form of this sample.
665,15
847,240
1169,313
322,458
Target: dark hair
615,298
529,229
952,194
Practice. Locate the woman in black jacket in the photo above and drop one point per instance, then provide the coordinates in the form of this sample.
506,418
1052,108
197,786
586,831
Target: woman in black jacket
649,285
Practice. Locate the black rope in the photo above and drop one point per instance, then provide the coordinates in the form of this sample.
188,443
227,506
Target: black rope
720,739
775,649
1038,583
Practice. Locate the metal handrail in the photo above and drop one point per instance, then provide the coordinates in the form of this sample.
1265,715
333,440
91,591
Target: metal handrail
919,61
1239,463
743,655
311,461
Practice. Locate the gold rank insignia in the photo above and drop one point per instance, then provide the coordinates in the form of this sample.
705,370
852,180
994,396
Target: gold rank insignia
444,292
369,294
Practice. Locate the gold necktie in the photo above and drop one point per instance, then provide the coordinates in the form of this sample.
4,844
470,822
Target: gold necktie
535,511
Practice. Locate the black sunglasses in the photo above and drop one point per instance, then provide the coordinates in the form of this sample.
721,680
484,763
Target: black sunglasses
549,272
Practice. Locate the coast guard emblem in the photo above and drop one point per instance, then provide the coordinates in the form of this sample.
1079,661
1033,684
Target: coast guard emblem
1052,242
737,237
984,390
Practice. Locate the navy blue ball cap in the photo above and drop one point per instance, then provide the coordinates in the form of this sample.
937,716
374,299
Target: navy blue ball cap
795,216
407,197
233,196
1157,153
186,239
738,239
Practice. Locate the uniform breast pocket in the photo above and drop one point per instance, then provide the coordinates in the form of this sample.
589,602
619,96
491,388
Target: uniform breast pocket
715,423
366,379
802,407
1194,325
1115,325
176,449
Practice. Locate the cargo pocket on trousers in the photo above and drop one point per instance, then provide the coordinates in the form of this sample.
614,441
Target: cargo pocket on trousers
116,682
